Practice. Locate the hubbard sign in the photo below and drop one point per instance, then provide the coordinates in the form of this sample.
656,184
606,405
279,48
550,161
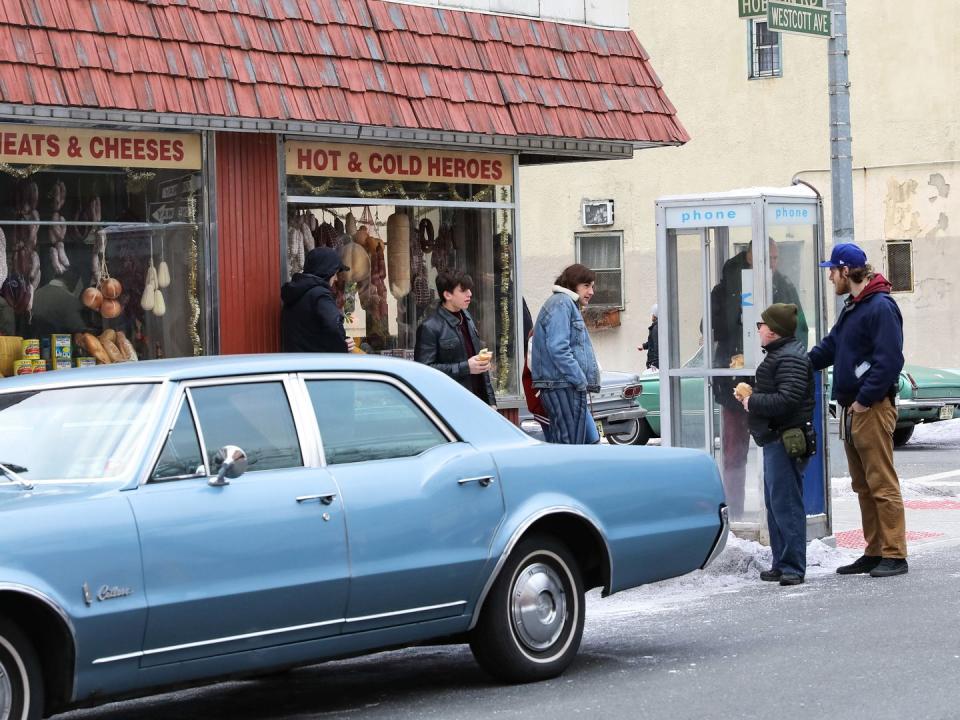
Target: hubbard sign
758,8
791,17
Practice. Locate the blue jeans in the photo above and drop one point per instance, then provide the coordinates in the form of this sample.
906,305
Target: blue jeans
786,518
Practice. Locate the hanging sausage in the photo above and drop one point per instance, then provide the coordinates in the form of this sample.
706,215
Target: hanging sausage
398,254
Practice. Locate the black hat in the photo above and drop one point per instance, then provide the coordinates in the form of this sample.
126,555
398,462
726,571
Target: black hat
781,318
323,262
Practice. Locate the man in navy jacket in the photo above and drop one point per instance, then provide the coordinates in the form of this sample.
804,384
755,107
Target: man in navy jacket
865,348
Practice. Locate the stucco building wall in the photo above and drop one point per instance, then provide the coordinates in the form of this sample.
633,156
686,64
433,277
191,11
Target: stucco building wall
905,107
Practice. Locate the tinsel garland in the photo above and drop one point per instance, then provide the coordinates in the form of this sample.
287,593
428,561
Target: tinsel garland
193,302
320,189
137,180
20,172
506,279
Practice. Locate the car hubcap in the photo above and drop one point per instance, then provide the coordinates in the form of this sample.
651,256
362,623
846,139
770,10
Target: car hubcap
6,694
539,606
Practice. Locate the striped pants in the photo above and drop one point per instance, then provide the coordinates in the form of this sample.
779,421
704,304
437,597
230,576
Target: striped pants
570,421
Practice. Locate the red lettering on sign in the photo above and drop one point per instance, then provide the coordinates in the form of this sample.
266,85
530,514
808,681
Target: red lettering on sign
497,170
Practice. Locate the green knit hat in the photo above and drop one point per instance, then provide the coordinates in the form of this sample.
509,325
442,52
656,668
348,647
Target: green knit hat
781,318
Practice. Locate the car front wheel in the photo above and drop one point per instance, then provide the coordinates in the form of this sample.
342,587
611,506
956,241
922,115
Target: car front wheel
21,685
532,620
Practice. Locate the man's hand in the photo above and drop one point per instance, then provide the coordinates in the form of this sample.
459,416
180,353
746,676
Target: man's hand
858,408
478,365
351,345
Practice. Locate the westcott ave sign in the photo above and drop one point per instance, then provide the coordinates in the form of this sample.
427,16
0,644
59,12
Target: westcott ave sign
790,17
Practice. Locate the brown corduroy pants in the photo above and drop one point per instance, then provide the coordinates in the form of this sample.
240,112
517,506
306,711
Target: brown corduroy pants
870,459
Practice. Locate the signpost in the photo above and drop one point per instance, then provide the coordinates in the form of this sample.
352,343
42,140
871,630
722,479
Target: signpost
758,8
791,17
823,18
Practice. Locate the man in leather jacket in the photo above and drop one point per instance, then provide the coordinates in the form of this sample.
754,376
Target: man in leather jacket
448,339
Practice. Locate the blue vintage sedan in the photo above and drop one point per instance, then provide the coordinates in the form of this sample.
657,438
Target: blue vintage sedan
169,522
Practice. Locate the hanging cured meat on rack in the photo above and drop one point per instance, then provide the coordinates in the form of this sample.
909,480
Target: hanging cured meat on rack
58,232
398,254
295,244
308,228
421,282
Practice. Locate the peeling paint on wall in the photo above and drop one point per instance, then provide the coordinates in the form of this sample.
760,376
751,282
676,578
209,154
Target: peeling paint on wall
902,219
942,187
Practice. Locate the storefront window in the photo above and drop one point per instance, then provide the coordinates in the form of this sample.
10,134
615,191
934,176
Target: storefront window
397,222
102,252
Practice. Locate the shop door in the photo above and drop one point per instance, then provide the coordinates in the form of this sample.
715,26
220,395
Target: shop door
715,294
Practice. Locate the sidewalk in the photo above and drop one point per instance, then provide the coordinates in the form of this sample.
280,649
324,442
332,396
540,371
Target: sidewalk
932,502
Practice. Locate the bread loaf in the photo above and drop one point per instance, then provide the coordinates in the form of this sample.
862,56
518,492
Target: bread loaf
126,347
742,390
112,350
94,348
398,254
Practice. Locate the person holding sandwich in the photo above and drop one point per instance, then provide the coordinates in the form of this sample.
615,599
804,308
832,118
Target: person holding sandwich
448,339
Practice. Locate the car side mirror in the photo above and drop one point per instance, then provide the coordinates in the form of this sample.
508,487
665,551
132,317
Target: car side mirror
233,464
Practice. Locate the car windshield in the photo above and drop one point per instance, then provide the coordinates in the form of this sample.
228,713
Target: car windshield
86,433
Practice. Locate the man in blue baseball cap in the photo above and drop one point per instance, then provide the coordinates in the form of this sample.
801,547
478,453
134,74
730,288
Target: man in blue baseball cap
845,255
865,348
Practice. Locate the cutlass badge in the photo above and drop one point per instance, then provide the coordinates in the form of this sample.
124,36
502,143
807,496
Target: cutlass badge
110,592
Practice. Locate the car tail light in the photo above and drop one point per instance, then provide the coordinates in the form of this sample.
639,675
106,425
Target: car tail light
631,391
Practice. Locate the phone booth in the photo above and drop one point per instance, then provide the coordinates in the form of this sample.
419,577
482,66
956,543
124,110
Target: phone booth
722,259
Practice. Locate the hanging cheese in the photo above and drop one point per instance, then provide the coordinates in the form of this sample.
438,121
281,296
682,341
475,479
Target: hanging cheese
398,254
355,257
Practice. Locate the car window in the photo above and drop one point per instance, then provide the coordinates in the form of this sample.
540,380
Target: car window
181,456
254,416
362,420
79,433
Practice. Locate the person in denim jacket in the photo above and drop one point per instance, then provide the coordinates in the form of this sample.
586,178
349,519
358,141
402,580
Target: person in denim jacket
562,362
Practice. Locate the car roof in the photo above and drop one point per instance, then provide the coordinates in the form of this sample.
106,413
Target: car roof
218,366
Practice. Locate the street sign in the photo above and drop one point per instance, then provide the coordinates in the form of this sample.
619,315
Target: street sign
758,8
790,17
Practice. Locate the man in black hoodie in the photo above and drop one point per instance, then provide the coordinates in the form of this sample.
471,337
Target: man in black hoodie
310,320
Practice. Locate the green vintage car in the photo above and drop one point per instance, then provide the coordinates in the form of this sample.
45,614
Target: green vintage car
926,395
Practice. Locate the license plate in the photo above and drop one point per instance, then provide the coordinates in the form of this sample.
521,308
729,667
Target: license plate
946,412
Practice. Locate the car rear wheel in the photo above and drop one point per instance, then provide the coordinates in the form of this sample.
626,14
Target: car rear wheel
532,620
638,434
21,685
902,434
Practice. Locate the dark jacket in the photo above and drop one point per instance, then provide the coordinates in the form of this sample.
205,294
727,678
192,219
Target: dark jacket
440,345
783,392
727,319
652,346
310,320
867,338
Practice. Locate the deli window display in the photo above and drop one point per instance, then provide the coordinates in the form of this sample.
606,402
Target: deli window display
101,250
398,217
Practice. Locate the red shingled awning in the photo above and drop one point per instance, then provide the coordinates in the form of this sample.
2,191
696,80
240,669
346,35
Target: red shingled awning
366,62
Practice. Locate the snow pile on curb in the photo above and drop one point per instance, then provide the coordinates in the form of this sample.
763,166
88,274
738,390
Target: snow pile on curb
737,567
945,432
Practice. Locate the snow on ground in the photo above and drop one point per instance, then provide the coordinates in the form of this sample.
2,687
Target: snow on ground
945,433
737,568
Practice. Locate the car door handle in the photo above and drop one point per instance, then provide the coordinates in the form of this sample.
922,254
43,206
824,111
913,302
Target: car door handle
482,480
325,498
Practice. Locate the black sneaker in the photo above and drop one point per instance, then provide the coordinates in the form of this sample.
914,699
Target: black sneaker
890,566
863,564
791,579
770,575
